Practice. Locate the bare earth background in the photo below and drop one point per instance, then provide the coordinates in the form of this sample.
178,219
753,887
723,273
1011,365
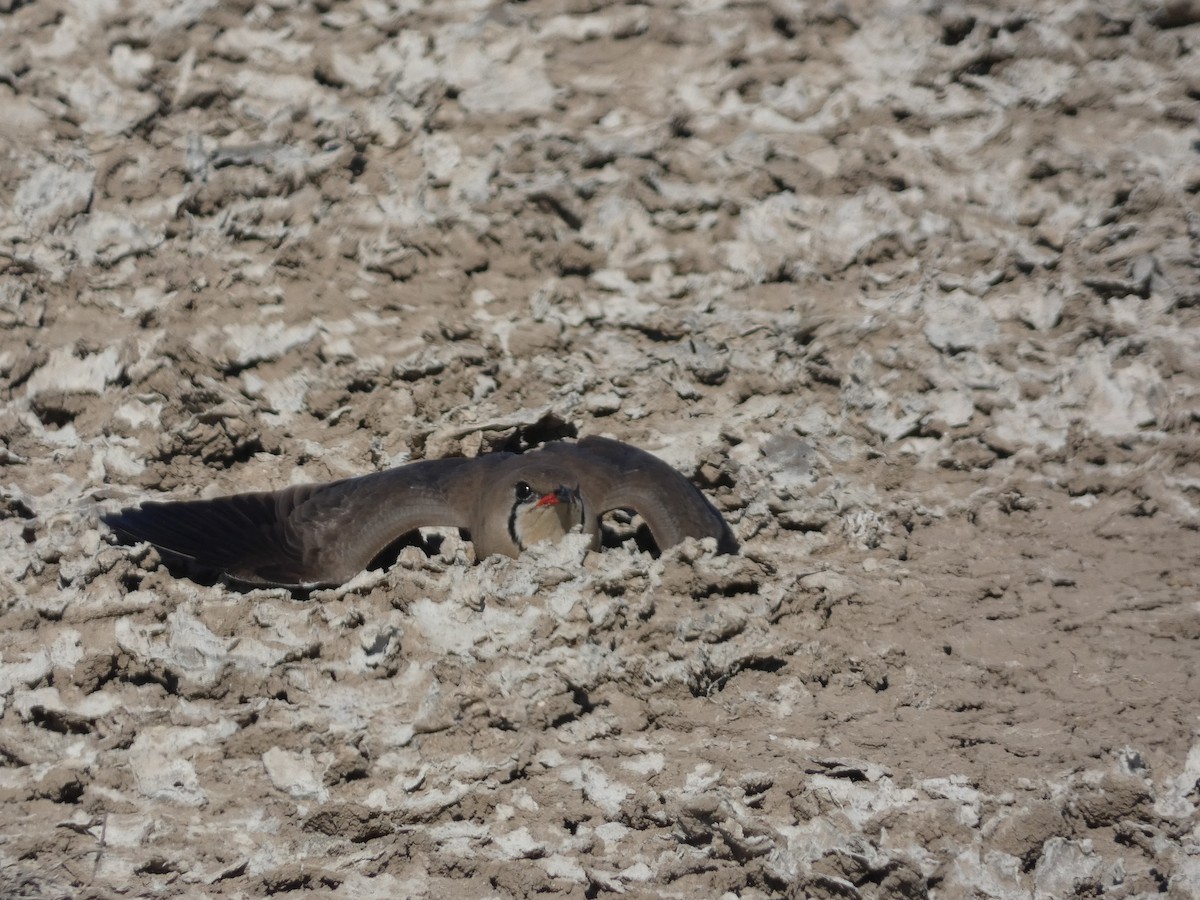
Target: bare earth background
910,289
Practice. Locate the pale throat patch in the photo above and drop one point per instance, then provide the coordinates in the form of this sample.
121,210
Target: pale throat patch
547,523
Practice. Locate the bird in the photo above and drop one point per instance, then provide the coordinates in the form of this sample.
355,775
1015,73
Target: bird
322,534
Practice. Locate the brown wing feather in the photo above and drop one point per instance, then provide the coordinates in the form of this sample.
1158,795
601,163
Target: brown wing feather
307,534
620,476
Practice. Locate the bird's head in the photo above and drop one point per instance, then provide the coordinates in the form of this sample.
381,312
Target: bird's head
543,511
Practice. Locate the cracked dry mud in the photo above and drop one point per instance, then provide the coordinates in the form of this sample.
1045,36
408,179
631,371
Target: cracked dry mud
909,289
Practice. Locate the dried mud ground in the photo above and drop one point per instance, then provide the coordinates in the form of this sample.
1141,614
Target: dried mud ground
910,290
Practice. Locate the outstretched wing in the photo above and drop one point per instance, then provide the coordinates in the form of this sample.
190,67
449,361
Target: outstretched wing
309,534
618,476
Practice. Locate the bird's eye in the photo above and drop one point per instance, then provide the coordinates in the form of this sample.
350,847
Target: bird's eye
524,491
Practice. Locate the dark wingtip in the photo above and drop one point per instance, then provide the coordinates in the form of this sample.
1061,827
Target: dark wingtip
124,524
728,544
174,527
233,536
